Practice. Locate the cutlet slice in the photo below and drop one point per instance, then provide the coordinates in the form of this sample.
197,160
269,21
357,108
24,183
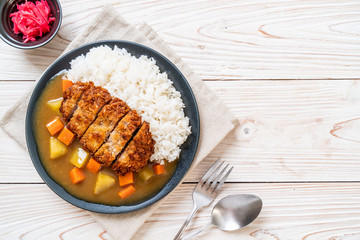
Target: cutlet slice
105,122
89,105
71,97
137,153
118,138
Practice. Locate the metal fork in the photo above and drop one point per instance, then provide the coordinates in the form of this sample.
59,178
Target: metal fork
206,190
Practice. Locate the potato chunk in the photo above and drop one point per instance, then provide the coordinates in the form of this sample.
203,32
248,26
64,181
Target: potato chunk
57,148
55,105
103,182
79,158
146,173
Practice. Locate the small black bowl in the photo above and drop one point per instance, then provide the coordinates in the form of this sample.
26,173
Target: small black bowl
188,148
16,40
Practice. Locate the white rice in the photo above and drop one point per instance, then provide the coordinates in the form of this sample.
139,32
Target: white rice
138,82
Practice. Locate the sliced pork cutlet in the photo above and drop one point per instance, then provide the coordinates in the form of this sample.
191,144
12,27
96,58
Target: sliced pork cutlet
118,138
90,103
103,125
71,97
137,153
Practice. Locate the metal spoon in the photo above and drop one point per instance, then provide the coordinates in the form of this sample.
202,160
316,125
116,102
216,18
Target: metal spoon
233,212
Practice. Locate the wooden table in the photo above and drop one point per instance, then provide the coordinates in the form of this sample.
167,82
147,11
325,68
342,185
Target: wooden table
289,71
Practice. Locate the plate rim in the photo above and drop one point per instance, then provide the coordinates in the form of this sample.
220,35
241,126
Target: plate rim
57,188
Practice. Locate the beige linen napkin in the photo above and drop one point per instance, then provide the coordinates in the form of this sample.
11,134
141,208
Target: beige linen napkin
216,121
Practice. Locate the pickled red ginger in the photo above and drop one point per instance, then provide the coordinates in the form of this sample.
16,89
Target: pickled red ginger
32,19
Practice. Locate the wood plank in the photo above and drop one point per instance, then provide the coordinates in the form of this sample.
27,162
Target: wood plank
32,211
290,211
289,131
300,115
224,39
293,130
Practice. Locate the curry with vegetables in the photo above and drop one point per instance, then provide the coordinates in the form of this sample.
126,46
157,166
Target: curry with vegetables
95,146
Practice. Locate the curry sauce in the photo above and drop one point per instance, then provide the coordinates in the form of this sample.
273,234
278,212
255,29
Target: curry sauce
59,168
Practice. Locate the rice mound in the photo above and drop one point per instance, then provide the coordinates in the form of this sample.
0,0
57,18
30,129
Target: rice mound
138,82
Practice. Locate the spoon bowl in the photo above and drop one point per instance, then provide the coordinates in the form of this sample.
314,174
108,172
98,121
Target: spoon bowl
236,211
233,212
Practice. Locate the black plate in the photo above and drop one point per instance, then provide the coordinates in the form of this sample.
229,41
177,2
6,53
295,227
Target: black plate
188,149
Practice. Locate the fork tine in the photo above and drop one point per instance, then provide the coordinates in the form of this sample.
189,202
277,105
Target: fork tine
216,180
213,174
223,180
208,172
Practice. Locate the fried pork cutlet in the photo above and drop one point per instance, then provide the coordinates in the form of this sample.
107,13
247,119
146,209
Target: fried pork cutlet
118,138
137,153
105,122
89,105
71,97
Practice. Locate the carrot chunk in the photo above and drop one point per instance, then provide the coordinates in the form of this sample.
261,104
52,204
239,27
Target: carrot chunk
127,179
55,126
76,175
159,169
126,192
66,136
93,166
66,84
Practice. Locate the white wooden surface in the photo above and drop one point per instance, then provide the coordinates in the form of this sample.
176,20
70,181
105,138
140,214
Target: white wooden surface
289,70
